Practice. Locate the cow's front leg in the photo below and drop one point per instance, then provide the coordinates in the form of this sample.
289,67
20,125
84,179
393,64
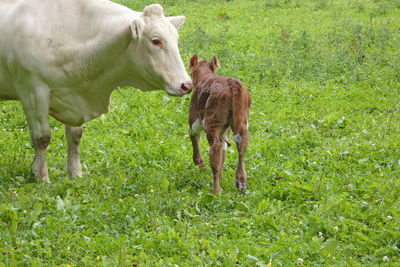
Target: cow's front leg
197,158
215,160
40,142
73,136
36,106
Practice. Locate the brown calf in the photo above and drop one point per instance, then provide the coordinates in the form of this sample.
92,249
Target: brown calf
218,105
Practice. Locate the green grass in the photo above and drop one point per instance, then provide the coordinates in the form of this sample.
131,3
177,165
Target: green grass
323,162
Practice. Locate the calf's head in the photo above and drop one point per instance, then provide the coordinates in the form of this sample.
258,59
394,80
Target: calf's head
202,68
154,53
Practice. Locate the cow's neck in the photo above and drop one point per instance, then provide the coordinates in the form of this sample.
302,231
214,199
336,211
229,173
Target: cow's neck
108,63
93,77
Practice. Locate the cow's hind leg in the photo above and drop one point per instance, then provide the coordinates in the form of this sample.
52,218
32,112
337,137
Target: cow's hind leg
36,105
242,141
73,136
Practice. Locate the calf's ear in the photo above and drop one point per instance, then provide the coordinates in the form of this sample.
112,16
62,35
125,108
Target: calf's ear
136,28
193,61
215,63
177,21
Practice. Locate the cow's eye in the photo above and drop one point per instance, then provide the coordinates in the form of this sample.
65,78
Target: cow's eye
157,42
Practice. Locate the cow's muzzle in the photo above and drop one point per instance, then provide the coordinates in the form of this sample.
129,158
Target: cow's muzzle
186,87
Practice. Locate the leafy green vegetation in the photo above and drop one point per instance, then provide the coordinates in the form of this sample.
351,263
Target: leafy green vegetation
323,163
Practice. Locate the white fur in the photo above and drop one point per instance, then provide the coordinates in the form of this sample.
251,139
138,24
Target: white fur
74,167
224,145
65,57
74,53
197,127
237,138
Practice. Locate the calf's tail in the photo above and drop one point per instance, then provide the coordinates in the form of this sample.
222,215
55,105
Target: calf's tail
240,106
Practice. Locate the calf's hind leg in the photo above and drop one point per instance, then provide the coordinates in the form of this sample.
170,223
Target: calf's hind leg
215,160
73,136
242,141
197,158
224,147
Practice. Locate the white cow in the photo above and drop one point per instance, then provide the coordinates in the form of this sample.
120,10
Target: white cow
65,57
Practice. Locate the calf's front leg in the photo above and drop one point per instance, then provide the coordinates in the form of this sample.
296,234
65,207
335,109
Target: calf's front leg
73,136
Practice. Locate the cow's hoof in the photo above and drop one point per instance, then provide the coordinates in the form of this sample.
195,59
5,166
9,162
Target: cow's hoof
75,175
74,171
45,180
242,187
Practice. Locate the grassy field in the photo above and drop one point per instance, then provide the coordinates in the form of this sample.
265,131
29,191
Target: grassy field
323,163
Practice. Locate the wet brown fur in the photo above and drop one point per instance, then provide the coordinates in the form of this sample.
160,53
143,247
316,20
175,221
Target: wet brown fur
223,104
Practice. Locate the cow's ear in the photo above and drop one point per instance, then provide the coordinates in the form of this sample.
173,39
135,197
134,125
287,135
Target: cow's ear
193,61
153,10
136,28
215,63
177,21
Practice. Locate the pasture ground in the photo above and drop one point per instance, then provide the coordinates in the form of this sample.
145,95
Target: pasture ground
323,163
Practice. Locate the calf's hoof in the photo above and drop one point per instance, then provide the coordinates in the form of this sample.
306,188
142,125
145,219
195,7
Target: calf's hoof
199,163
216,191
242,187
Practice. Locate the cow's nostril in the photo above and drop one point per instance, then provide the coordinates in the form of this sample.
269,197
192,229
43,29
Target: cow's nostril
188,85
186,88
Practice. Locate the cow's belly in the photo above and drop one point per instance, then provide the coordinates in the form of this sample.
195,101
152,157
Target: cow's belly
7,90
75,109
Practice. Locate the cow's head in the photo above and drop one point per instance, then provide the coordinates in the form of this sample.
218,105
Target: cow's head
154,52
